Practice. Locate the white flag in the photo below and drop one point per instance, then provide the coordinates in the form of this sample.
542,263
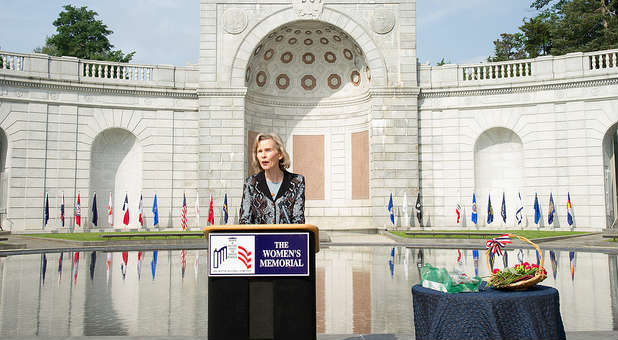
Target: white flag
110,214
197,209
520,209
404,205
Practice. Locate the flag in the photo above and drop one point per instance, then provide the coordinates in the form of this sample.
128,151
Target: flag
520,256
503,209
475,257
60,267
458,212
520,209
183,213
572,264
197,209
155,212
554,263
490,211
153,263
140,211
390,209
78,212
404,206
75,267
569,210
492,259
183,262
419,209
538,260
46,210
505,259
110,214
95,213
62,210
108,265
125,210
537,209
459,258
225,211
474,209
550,210
211,212
43,267
139,265
123,265
93,262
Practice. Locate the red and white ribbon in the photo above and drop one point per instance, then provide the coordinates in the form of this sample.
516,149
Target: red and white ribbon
495,244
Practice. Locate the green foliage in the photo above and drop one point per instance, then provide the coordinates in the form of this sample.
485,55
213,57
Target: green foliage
443,62
562,26
81,35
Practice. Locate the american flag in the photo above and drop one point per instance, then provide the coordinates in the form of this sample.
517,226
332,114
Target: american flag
183,214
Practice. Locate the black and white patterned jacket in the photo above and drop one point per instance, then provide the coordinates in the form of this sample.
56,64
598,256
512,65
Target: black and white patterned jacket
258,206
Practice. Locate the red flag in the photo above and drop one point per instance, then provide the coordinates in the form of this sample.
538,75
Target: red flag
458,211
78,212
183,213
123,265
211,212
75,266
125,210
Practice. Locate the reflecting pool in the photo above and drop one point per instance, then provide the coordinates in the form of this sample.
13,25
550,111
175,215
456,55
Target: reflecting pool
359,290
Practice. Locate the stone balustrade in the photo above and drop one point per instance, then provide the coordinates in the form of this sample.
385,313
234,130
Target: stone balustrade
44,67
547,68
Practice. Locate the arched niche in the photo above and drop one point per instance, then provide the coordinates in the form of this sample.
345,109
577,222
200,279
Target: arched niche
116,167
610,175
498,169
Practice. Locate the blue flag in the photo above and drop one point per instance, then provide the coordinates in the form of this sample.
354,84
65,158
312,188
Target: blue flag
474,212
390,209
155,212
550,211
537,209
475,258
46,210
490,211
225,211
503,209
153,262
95,213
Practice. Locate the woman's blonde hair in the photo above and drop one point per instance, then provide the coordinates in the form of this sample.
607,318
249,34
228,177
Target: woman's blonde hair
284,162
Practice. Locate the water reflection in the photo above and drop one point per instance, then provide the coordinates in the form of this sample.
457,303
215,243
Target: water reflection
359,290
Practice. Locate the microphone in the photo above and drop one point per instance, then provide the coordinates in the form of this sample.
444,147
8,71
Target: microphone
285,213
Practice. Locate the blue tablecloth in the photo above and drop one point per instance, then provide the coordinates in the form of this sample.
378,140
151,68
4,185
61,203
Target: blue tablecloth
489,314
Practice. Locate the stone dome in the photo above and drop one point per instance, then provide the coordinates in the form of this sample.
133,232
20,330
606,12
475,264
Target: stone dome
308,59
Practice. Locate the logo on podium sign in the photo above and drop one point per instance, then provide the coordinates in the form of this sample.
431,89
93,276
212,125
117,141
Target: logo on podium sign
259,254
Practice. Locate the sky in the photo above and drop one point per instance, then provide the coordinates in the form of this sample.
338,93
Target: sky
167,31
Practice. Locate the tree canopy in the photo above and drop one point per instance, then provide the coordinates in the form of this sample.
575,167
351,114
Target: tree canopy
560,27
81,35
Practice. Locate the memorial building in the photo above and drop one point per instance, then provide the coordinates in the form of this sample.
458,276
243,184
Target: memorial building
362,119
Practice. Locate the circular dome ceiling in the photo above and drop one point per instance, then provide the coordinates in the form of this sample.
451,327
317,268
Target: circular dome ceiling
308,59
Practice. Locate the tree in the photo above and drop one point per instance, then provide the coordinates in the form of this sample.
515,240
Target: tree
509,47
562,26
81,35
443,62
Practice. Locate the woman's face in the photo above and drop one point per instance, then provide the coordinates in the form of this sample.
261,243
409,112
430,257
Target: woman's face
267,154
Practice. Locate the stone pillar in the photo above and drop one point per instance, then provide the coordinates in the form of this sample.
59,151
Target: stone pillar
222,145
393,151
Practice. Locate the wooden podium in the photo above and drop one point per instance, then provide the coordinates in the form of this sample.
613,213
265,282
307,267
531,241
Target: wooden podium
261,281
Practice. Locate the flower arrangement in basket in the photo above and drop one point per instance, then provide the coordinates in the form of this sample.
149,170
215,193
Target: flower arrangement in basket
523,275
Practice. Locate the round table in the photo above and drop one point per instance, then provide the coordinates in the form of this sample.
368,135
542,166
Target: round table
488,314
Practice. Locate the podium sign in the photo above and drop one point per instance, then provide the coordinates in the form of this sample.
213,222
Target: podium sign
259,254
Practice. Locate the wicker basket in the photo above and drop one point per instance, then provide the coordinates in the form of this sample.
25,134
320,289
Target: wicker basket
524,284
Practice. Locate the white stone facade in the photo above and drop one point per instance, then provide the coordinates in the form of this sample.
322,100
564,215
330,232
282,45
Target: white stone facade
545,125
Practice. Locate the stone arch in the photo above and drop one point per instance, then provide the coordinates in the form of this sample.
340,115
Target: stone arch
498,169
3,174
610,173
356,31
116,167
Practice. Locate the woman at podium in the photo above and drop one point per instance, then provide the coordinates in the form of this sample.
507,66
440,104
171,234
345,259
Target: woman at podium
272,195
